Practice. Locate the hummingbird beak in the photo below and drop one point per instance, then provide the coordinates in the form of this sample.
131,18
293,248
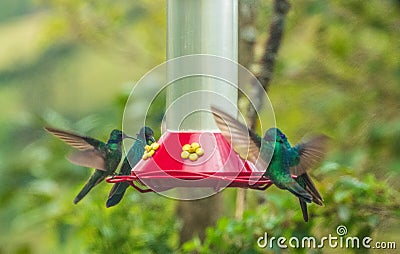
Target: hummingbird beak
127,136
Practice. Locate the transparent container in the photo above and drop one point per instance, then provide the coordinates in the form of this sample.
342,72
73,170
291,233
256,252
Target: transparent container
201,27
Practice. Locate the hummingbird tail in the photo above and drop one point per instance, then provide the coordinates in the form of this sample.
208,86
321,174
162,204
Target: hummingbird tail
116,194
303,206
317,198
85,190
95,179
297,190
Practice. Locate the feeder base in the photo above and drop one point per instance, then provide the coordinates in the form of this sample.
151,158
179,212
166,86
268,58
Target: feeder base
217,168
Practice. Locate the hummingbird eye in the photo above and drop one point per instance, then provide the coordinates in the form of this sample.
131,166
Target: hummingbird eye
283,136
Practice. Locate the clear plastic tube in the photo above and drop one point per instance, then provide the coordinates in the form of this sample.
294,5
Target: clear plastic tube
201,27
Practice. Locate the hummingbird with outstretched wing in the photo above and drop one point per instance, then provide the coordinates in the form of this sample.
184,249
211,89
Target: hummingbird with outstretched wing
93,153
302,157
135,153
283,159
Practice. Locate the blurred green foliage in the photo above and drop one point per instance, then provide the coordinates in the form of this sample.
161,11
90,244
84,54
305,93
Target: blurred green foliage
72,64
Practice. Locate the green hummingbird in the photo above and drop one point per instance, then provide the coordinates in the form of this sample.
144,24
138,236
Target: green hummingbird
302,157
104,157
285,160
135,153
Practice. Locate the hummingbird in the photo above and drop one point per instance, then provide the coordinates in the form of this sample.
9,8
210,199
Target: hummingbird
285,160
93,153
145,137
302,157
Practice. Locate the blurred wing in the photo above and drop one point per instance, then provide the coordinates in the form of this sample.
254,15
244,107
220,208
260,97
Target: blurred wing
74,140
89,158
245,142
311,152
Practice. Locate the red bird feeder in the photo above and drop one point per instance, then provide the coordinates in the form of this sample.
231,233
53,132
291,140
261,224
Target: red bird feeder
201,71
218,167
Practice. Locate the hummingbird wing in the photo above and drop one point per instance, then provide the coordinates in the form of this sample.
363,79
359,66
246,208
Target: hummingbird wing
243,141
311,153
89,158
75,140
90,154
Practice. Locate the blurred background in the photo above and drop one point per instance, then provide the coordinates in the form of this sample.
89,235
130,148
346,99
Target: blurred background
72,65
